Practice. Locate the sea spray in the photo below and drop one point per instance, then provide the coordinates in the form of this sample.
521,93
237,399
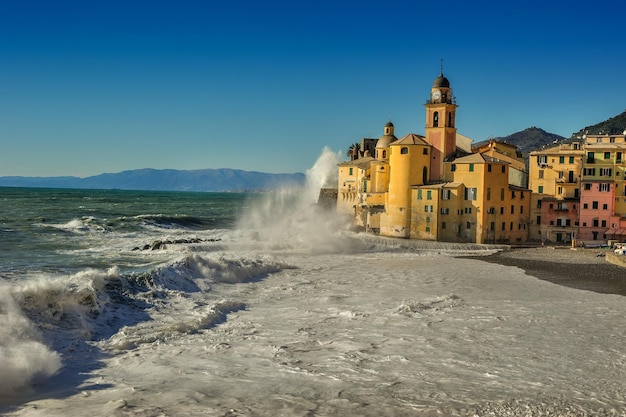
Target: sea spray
23,356
294,220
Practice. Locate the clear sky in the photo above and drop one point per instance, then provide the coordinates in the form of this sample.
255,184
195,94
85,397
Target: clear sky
88,87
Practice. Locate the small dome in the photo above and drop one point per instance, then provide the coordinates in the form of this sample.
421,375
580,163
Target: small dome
389,124
441,81
385,140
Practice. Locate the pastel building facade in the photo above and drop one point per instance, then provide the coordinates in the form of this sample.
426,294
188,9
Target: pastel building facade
603,191
555,180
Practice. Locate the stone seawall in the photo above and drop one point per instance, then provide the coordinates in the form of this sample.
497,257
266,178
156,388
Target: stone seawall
429,245
619,260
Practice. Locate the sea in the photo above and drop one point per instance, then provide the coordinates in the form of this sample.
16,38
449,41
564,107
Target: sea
145,303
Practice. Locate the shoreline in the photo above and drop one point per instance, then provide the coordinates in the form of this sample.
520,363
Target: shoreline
581,269
578,268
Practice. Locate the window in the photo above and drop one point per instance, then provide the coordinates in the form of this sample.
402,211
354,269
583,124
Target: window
453,167
436,119
561,175
404,150
501,194
604,187
607,155
511,226
521,209
471,193
471,167
443,225
605,206
488,167
594,205
538,219
428,209
445,210
384,154
419,194
468,225
589,171
488,193
541,174
540,189
445,194
561,206
429,194
605,172
512,194
561,159
542,159
512,209
501,210
590,157
585,206
618,157
351,171
596,223
587,186
468,210
492,226
559,190
603,224
503,169
571,159
503,227
425,151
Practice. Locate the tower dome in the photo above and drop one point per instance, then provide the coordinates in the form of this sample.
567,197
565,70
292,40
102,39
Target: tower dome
388,137
441,82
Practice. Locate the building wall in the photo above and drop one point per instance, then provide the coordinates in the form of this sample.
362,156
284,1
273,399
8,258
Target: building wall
554,176
408,164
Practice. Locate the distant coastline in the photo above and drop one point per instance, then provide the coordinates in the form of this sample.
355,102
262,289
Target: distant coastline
211,180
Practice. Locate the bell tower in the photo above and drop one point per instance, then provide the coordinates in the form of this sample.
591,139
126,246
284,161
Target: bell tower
440,124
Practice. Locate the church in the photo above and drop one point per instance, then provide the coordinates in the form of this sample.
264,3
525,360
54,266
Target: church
438,186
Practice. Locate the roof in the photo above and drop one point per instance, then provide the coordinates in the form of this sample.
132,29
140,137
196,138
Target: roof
478,158
474,158
441,81
358,162
411,139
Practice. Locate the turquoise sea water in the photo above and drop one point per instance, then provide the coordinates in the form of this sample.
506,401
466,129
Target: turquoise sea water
57,230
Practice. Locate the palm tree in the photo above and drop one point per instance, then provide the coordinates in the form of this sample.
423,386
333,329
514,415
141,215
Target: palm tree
353,151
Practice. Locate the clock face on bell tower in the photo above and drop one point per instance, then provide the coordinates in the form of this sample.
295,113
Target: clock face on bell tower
436,95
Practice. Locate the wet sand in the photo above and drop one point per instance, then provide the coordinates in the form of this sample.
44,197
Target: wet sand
576,268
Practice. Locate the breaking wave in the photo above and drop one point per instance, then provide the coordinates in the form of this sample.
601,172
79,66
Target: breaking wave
46,318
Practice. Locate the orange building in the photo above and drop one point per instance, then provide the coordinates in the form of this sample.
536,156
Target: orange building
433,187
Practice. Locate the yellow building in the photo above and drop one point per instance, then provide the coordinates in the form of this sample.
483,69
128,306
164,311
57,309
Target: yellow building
433,187
555,181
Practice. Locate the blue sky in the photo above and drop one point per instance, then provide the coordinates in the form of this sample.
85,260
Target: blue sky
88,87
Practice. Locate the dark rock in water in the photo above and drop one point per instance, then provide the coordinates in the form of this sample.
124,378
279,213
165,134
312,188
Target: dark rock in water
157,244
162,244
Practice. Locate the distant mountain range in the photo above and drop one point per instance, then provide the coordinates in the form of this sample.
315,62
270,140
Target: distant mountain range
534,138
226,179
167,180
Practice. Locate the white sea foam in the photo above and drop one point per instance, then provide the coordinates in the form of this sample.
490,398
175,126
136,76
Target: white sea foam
295,221
23,356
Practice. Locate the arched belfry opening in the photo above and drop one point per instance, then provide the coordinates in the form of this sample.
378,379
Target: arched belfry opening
436,119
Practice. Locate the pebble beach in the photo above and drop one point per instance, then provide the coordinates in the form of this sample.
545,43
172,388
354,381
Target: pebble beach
585,269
